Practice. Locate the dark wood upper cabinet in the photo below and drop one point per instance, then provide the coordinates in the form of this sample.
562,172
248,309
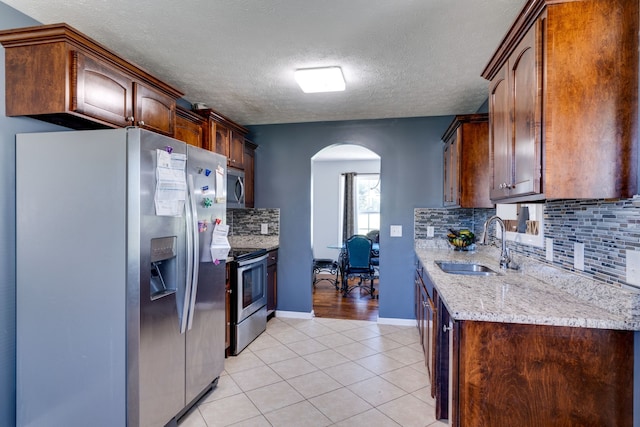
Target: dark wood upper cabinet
563,102
466,162
56,74
236,150
101,92
514,146
224,137
154,110
189,127
221,138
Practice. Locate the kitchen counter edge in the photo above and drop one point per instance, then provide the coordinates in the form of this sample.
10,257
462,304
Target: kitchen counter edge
537,293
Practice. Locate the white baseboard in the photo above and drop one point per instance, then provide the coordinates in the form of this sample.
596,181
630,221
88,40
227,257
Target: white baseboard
397,322
311,315
294,314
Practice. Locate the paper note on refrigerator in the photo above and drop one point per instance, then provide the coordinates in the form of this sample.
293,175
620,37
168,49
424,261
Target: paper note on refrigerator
171,183
220,190
219,243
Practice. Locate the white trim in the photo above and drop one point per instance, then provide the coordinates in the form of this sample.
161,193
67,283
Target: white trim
311,315
395,321
294,314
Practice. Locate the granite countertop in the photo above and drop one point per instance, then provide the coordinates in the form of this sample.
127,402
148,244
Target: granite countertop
254,242
537,293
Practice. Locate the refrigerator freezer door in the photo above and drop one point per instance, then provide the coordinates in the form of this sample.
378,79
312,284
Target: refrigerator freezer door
70,274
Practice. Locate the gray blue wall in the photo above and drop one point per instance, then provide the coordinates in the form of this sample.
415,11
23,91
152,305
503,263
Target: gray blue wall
9,18
411,176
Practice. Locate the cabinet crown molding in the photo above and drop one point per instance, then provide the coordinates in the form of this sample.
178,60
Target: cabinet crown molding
525,19
62,32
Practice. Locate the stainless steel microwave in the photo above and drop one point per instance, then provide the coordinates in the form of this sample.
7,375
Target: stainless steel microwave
235,188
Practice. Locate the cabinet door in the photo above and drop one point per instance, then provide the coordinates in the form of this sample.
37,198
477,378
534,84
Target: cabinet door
236,150
189,129
426,332
441,359
272,281
451,171
430,312
499,135
221,139
526,117
249,164
102,92
154,110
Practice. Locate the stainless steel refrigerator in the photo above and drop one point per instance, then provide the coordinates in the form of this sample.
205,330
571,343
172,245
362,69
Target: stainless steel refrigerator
120,307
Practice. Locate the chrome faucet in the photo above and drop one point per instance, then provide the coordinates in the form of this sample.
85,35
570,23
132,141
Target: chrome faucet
505,259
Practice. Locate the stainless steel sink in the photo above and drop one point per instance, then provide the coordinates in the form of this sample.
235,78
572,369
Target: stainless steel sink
470,269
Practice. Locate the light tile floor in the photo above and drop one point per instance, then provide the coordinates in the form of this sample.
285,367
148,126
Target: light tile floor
323,372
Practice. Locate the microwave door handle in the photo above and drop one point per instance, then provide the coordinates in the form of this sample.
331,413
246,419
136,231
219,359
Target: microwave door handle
241,181
195,259
184,315
237,190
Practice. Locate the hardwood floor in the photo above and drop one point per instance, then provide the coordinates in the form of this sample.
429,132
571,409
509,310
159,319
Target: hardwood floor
358,305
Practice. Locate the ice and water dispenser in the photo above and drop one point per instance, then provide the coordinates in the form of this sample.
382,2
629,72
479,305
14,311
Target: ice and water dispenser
163,266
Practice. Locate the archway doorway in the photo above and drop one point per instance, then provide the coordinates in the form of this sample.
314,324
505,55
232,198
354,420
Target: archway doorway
328,167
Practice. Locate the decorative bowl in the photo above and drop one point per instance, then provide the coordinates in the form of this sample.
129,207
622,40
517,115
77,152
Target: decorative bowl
461,240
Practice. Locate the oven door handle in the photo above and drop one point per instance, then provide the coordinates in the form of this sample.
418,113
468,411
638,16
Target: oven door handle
244,262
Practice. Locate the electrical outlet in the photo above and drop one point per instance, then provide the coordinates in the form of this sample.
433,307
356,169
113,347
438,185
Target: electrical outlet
578,256
430,231
549,247
633,267
264,228
396,231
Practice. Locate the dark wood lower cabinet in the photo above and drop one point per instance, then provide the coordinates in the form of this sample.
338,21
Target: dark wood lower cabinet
441,356
425,312
505,374
272,282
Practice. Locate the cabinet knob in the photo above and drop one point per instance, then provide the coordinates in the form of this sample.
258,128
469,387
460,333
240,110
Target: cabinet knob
446,328
129,119
141,123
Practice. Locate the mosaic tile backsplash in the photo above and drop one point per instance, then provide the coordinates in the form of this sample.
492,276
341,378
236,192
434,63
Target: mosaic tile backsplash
443,219
247,222
608,228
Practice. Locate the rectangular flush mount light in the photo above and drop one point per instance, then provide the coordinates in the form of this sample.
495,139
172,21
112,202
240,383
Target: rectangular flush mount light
327,79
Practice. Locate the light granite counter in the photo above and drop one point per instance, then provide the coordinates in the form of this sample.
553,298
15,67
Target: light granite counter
537,293
254,242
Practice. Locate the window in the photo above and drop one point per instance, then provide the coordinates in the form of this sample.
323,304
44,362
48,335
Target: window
367,203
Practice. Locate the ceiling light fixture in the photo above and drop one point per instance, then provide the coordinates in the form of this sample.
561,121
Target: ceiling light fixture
326,79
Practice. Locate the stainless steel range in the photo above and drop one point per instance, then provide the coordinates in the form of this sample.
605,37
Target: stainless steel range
249,297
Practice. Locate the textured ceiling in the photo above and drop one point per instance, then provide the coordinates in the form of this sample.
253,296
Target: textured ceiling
400,58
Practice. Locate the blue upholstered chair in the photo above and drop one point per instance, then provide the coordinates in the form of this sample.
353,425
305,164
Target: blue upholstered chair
357,263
